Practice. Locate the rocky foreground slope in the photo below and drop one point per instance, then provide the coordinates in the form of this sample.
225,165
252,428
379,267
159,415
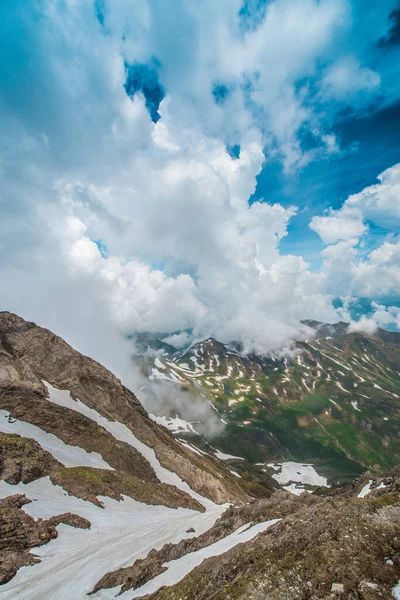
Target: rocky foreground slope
97,499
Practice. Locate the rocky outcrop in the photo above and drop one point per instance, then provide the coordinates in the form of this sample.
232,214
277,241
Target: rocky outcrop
22,459
88,483
19,532
30,354
322,548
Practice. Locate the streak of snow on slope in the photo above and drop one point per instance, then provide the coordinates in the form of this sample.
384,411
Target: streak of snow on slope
235,474
223,456
156,374
69,456
124,434
120,533
336,361
190,447
354,404
341,387
177,569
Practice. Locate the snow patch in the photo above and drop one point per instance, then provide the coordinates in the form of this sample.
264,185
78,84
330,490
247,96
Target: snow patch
289,472
223,456
174,424
339,385
366,490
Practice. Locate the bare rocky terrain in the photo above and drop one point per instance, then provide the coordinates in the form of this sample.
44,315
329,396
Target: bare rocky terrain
323,547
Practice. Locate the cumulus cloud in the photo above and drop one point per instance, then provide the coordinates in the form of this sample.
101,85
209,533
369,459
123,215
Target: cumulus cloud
348,268
344,224
381,316
123,212
380,202
363,325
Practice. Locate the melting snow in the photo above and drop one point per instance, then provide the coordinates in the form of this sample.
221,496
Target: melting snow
156,374
289,472
341,387
174,424
223,456
366,490
396,591
295,488
190,447
354,404
124,434
120,533
236,474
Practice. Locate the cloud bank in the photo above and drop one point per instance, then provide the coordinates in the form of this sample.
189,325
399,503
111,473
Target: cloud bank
133,136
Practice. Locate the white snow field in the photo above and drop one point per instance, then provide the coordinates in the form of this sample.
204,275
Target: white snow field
396,591
291,474
120,533
69,456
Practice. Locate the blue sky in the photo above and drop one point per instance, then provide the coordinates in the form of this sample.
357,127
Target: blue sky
371,142
226,168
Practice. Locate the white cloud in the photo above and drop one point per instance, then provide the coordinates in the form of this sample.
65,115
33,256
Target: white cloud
348,269
363,325
380,202
344,224
178,340
382,316
346,78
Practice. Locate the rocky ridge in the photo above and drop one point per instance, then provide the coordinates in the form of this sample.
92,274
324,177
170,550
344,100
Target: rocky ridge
31,354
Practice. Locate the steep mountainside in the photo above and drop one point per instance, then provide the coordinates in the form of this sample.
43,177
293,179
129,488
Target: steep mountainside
334,402
69,427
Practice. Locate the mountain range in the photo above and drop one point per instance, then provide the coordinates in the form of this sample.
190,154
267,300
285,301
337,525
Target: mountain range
333,400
